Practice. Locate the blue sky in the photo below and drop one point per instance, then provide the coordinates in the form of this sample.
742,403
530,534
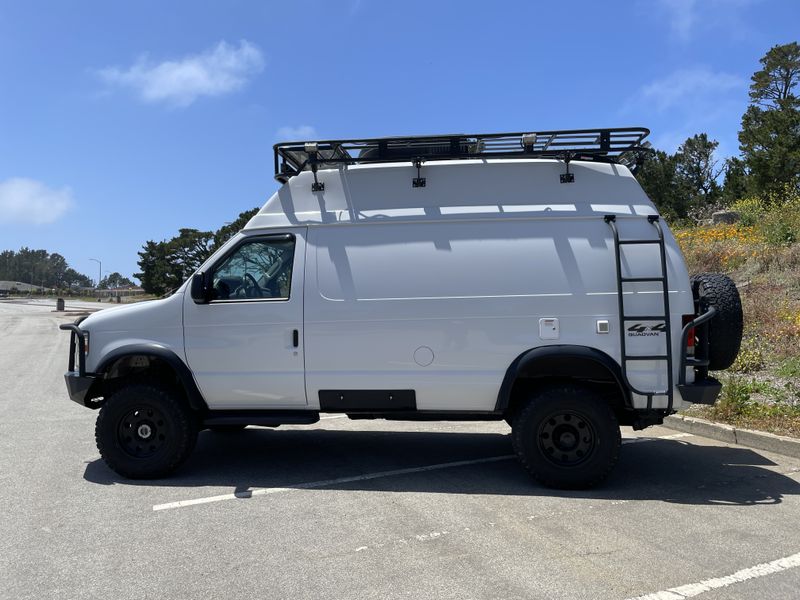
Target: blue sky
122,122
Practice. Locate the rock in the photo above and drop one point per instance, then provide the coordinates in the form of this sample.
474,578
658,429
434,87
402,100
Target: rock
724,216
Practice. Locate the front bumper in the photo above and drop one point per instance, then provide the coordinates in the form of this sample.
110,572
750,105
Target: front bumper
78,381
78,386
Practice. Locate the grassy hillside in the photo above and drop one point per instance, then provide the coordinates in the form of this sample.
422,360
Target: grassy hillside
762,255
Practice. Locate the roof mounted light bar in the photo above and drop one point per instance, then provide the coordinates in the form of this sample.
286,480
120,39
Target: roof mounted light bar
619,145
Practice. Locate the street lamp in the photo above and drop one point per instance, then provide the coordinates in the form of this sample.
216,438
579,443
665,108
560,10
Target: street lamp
99,271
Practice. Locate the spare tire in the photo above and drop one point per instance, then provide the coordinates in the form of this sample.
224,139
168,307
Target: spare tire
725,328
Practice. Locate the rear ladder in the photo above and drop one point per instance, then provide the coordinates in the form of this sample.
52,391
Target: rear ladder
625,318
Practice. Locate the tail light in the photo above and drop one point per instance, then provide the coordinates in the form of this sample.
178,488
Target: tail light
690,339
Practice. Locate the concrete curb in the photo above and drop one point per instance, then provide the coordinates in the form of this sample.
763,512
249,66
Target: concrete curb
770,442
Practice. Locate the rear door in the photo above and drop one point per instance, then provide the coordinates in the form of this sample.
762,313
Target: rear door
245,347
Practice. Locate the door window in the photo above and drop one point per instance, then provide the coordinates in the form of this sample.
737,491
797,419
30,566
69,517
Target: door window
257,270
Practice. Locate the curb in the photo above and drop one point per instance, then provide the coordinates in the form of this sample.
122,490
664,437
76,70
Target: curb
770,442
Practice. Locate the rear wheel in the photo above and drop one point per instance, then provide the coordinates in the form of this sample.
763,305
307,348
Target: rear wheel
567,437
144,431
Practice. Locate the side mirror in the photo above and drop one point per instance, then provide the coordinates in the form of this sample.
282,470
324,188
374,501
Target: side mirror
198,291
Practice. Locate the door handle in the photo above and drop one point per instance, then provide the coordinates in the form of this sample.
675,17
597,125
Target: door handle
295,337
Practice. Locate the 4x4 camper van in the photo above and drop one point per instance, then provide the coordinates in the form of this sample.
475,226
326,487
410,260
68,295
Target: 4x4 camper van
523,277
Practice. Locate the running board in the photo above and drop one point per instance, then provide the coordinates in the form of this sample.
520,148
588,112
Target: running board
268,418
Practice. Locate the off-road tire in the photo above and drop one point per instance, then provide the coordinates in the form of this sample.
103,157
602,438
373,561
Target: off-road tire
572,410
725,327
137,409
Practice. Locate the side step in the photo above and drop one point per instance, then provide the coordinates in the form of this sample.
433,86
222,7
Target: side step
261,417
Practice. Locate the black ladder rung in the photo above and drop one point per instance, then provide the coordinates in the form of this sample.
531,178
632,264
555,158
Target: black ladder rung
648,357
621,242
646,318
630,279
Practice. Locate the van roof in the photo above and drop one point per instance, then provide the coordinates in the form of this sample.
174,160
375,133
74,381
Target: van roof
498,188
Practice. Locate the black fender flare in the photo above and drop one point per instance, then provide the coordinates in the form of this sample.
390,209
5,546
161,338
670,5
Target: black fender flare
561,361
193,395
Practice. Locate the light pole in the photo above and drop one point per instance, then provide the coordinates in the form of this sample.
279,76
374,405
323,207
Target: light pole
99,271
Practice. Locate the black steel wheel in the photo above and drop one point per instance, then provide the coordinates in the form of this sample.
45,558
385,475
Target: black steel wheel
566,436
144,431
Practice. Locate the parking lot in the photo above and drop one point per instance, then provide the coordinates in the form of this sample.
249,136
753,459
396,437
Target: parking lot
371,509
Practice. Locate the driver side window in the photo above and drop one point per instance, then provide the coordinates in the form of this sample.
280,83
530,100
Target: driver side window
258,269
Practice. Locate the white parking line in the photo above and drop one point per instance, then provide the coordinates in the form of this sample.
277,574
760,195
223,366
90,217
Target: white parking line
674,436
695,589
326,482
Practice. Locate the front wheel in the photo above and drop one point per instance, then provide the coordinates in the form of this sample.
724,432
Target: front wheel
144,431
567,437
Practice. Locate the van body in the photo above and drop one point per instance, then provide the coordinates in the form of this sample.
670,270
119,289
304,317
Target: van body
369,290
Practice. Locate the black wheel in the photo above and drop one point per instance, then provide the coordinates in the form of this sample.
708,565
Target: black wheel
226,428
567,437
725,327
144,431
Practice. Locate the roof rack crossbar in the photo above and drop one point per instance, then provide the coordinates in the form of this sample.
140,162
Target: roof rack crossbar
618,145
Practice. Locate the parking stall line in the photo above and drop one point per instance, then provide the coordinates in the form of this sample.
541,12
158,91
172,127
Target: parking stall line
695,589
674,436
367,476
327,482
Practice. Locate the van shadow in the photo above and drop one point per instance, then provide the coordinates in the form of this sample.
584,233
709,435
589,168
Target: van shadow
665,470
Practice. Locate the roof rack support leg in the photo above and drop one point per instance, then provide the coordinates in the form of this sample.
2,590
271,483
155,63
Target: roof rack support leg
418,181
567,177
317,186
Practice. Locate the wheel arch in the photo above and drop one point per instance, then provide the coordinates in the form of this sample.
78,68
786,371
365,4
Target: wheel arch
563,362
155,354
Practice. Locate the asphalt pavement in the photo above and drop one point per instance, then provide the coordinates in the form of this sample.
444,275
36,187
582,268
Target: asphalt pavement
371,509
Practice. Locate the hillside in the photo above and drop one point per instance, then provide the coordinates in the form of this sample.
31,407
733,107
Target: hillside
762,255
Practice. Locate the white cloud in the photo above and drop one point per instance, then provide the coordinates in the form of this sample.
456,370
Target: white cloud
293,134
681,15
684,16
27,201
223,69
686,87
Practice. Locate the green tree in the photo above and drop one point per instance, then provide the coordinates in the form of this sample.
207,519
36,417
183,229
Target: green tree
660,180
114,280
698,172
38,267
155,273
734,186
770,134
165,265
224,233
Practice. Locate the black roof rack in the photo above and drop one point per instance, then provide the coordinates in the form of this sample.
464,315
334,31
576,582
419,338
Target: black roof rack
620,145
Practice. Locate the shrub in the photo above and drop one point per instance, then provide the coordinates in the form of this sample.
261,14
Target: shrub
750,210
751,357
790,367
781,223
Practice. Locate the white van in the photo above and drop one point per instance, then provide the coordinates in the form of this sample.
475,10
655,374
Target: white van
524,277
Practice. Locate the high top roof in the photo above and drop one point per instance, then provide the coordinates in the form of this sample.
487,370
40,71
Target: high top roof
495,188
